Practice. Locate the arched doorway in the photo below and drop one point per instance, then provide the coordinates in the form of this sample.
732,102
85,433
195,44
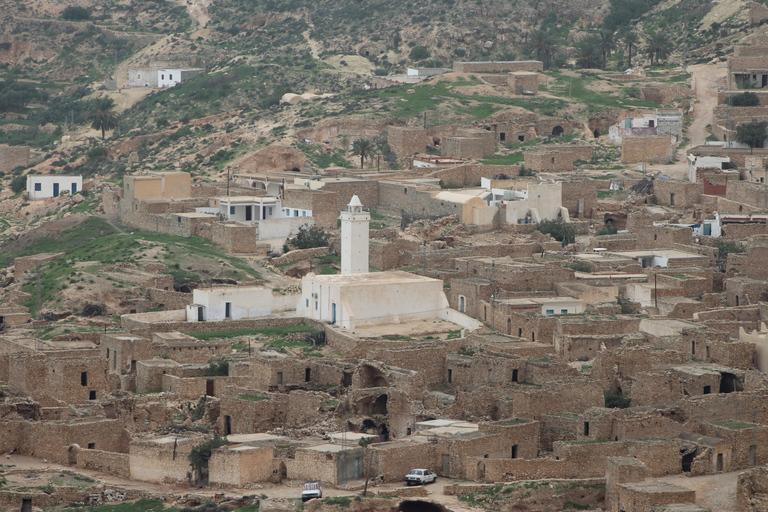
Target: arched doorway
558,131
481,471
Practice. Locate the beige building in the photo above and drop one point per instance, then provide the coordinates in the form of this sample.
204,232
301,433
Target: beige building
166,185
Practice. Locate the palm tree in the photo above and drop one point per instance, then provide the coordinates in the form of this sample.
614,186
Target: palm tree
104,117
586,52
658,46
607,44
541,42
362,148
630,41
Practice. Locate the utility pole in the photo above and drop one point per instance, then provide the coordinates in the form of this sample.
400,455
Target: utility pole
227,181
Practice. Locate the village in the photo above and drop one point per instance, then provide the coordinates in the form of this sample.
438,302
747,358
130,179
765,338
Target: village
573,330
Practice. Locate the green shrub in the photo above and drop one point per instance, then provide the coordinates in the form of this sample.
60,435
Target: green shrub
217,367
558,229
75,13
201,454
616,400
745,99
18,184
419,53
307,238
609,229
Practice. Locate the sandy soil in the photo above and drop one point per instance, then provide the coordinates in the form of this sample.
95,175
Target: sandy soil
715,492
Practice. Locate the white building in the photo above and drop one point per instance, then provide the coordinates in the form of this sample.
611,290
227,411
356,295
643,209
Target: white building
354,238
357,298
543,201
225,303
159,78
547,305
44,186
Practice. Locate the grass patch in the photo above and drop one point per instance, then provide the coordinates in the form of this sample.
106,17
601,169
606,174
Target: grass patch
511,159
270,332
252,398
138,506
735,425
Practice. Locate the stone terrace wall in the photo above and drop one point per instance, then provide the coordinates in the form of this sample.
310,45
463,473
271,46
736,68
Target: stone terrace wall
169,299
117,464
134,325
498,66
656,148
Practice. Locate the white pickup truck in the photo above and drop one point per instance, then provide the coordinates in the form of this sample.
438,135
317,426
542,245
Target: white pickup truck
311,490
420,476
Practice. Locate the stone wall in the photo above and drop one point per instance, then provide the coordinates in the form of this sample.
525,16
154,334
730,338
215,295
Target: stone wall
407,140
117,464
366,190
498,66
652,148
580,197
12,157
169,299
469,175
464,147
25,263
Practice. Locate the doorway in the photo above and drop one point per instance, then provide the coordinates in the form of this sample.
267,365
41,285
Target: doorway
249,213
446,464
209,387
55,190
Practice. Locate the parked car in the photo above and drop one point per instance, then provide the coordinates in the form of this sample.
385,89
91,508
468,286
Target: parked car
420,476
311,490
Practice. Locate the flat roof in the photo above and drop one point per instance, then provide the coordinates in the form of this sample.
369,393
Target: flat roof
249,438
373,278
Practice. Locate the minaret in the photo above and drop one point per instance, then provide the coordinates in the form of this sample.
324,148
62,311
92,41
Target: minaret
354,238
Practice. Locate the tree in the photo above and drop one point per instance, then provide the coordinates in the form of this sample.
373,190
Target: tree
75,13
558,229
586,52
542,45
630,40
104,118
658,46
419,53
307,238
752,134
745,99
607,44
18,184
364,149
201,454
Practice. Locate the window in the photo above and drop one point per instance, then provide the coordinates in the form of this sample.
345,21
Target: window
502,136
315,305
307,304
450,376
92,395
270,210
563,311
307,374
231,210
38,187
279,377
550,311
514,451
84,379
178,219
462,304
170,77
514,375
303,214
295,213
227,310
162,77
586,428
91,446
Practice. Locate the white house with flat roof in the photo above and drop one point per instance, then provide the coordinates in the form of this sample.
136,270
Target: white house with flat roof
43,186
233,303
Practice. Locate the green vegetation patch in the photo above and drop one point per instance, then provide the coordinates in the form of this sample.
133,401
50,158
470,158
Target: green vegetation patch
252,398
269,332
136,506
735,425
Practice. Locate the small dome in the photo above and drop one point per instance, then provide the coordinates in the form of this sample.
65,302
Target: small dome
355,201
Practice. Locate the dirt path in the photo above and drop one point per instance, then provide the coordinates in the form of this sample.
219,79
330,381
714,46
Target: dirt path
707,79
715,492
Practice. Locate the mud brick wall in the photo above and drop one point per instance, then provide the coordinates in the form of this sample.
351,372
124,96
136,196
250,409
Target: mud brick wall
535,401
757,14
752,194
161,463
523,434
741,439
558,427
117,464
458,448
12,157
664,237
495,79
521,83
685,194
24,263
407,140
395,459
240,467
546,161
471,372
464,147
487,136
740,291
654,148
367,191
169,299
498,66
234,238
51,439
580,196
469,175
747,406
388,256
429,361
134,324
665,95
